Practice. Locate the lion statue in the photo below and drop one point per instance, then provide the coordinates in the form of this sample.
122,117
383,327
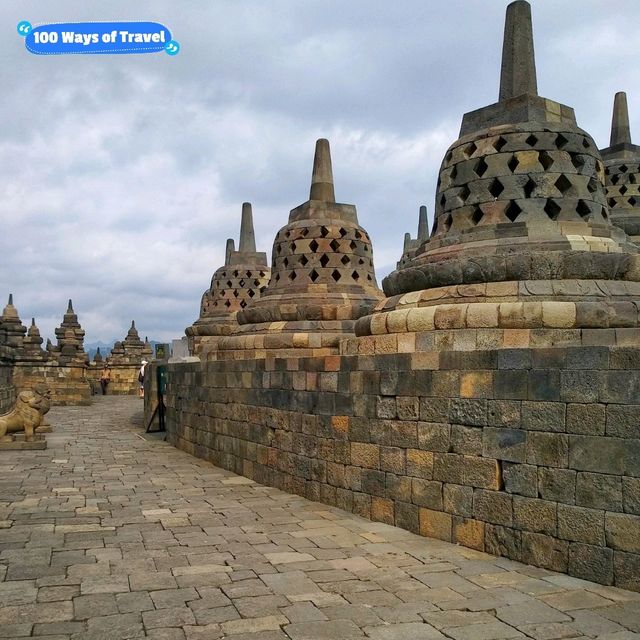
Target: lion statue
28,412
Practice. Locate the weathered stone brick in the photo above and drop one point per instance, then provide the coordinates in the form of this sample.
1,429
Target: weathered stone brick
548,449
504,413
484,473
373,482
362,505
631,495
545,551
404,434
613,456
419,463
599,491
398,487
466,440
543,416
627,570
580,386
468,412
386,408
493,507
504,444
586,419
476,384
534,515
544,384
435,524
382,510
392,459
407,516
623,421
591,563
365,455
434,436
408,408
448,467
435,409
623,532
579,524
458,499
503,541
426,493
511,385
558,485
521,479
468,532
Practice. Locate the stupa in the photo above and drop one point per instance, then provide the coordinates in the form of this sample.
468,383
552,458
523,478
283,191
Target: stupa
12,331
236,284
411,245
70,337
622,171
322,278
522,236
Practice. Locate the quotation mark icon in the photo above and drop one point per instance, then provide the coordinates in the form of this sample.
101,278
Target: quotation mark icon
24,28
172,47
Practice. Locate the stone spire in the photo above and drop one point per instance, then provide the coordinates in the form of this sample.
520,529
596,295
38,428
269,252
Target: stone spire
247,236
229,249
70,337
622,172
518,71
98,359
423,230
620,130
33,343
322,176
410,244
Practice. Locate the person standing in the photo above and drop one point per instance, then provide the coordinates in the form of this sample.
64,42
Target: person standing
141,377
105,379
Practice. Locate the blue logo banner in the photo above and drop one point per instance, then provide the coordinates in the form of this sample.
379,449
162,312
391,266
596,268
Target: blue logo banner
97,37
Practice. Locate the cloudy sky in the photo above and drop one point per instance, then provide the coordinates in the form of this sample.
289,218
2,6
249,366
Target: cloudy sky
122,176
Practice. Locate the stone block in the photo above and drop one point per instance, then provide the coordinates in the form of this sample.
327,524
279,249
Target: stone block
468,412
558,485
434,410
365,455
393,459
386,408
404,434
435,524
586,419
434,436
426,493
511,385
520,479
599,491
623,421
466,440
407,516
580,386
544,385
398,487
408,408
468,532
626,568
622,531
482,472
598,454
419,463
458,499
543,416
382,510
534,515
548,449
591,563
476,384
631,495
503,541
493,506
448,467
545,551
504,444
579,524
504,413
373,482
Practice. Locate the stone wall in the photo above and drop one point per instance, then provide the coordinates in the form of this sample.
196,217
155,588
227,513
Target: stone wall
69,385
528,453
7,390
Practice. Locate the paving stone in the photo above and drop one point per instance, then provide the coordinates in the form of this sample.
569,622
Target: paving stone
330,630
94,605
404,631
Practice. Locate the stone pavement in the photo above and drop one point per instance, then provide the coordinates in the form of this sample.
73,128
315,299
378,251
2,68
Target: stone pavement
110,535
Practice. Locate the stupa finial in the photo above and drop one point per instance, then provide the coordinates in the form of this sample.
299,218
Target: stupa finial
247,236
620,131
518,71
70,307
10,303
229,249
322,177
423,230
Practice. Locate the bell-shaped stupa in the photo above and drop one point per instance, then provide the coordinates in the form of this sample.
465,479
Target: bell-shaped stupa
522,237
322,276
70,336
33,343
236,284
12,331
622,171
